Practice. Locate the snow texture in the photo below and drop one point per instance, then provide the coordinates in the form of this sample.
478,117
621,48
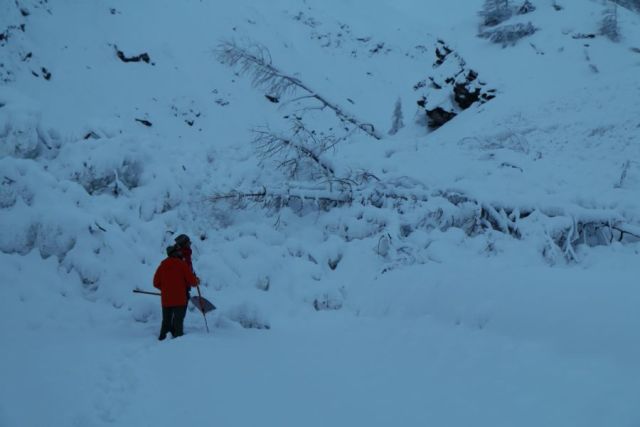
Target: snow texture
366,271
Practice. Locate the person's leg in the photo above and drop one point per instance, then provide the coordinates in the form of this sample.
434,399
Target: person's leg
172,321
166,323
178,320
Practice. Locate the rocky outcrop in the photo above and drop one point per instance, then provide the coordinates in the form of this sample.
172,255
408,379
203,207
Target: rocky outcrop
451,88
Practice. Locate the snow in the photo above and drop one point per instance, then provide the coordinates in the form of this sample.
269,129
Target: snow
400,310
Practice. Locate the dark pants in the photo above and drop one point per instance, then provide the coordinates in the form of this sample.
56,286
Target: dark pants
172,321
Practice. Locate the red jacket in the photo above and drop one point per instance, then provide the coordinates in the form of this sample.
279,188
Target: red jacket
173,277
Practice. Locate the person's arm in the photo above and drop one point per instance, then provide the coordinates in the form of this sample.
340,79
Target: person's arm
156,279
189,277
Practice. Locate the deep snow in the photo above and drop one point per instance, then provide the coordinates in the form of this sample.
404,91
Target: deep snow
432,327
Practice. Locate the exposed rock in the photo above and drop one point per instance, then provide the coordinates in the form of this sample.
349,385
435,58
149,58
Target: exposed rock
144,57
452,88
438,116
578,36
147,123
464,97
333,262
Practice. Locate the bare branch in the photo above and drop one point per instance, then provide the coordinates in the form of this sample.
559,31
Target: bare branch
623,174
304,144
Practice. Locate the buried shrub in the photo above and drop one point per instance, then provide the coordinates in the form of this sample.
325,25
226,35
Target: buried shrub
509,35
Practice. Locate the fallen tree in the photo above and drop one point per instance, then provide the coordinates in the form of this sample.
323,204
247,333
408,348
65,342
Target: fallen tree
564,227
256,61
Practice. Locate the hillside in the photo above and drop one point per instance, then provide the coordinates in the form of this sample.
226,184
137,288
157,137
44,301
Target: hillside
372,264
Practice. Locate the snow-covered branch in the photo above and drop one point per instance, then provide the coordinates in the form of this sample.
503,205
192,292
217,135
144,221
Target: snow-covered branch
256,61
564,228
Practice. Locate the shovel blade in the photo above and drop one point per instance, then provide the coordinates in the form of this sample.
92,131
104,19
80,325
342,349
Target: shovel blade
202,304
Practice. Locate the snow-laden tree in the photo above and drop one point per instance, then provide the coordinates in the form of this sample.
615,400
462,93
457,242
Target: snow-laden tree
629,4
609,26
527,7
495,12
397,121
508,35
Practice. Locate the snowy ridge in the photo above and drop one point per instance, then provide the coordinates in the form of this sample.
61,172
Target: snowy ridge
482,272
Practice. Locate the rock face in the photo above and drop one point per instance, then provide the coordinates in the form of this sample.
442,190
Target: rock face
465,97
451,88
439,116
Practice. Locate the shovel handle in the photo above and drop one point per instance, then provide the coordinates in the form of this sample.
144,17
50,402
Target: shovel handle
138,291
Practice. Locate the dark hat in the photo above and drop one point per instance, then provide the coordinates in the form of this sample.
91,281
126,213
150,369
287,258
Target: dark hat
182,240
173,250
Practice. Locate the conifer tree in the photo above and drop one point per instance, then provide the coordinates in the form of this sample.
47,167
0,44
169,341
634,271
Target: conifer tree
495,12
609,25
397,121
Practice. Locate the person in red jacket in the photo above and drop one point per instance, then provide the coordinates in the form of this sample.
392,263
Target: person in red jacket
173,277
183,242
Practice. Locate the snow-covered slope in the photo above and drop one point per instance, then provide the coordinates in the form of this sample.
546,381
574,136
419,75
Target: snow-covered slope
480,273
